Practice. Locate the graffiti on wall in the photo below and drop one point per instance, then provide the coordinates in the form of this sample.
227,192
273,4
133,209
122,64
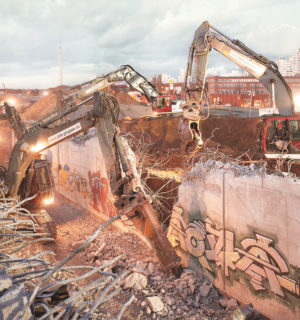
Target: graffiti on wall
95,188
71,180
100,194
258,259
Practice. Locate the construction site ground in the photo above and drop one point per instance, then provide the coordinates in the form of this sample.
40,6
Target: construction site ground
191,296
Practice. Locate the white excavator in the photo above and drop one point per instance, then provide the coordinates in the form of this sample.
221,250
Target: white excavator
28,175
280,134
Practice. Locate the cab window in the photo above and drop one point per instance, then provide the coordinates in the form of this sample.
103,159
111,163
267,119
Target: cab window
295,135
277,136
168,102
294,129
160,103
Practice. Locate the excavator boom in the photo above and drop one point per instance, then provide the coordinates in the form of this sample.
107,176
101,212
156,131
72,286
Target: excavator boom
125,73
207,38
260,67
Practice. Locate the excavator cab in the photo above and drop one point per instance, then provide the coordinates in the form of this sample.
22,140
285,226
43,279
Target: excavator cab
42,183
281,137
165,105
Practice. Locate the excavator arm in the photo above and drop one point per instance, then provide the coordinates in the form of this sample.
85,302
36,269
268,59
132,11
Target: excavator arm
130,200
260,67
125,73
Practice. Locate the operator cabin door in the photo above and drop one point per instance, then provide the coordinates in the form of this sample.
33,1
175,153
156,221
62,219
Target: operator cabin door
282,138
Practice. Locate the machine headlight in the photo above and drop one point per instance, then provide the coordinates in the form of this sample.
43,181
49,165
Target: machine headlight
48,201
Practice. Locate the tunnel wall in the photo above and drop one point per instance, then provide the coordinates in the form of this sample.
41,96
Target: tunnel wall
80,176
243,228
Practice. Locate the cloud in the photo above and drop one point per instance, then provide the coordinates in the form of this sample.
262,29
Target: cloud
98,36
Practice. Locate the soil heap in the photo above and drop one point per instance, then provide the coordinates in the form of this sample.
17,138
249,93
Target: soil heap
42,108
124,98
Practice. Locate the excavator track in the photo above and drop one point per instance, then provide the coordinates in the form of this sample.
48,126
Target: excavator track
46,222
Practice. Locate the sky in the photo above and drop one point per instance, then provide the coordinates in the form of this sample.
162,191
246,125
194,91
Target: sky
98,36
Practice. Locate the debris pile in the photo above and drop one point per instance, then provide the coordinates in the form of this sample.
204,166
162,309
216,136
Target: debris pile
31,286
19,227
157,295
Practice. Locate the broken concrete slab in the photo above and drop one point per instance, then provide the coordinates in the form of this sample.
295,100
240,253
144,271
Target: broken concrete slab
155,303
136,281
204,289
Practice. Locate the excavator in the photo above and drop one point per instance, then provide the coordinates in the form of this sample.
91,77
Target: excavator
280,134
161,104
28,175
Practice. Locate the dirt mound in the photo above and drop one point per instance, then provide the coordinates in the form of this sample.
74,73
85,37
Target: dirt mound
134,111
239,134
124,98
41,109
158,132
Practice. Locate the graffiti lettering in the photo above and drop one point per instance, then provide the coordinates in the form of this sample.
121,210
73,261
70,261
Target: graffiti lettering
73,181
222,252
259,260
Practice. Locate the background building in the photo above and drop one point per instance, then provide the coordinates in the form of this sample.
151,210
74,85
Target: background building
289,66
244,91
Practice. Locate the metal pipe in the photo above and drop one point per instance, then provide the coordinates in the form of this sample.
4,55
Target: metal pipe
273,94
121,153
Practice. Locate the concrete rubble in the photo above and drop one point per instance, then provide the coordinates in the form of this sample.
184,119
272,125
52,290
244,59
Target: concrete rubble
30,286
191,296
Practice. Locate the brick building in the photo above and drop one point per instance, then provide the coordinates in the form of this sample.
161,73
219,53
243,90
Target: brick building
244,91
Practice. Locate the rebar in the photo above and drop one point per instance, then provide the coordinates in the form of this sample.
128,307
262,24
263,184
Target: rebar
18,231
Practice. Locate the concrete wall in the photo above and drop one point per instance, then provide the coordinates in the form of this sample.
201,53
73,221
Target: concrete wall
243,227
80,175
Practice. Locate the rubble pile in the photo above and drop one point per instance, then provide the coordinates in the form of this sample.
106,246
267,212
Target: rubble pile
30,286
157,295
189,297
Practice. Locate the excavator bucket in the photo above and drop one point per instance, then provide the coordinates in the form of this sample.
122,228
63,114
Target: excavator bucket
152,230
140,212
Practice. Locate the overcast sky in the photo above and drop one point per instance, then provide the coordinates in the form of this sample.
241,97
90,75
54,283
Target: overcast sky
97,36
